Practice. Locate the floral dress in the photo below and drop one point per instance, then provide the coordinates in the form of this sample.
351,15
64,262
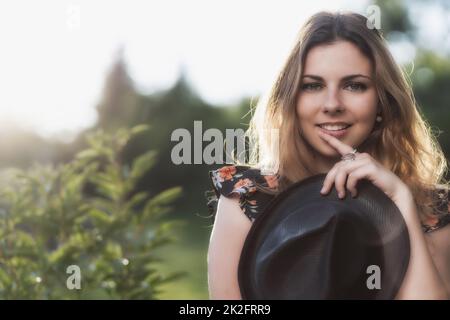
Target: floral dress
243,181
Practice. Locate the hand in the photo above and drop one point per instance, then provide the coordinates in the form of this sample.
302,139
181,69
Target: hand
345,174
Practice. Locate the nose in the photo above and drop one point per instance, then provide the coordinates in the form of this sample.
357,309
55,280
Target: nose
332,103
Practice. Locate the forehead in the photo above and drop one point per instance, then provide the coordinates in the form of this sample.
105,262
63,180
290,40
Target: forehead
336,59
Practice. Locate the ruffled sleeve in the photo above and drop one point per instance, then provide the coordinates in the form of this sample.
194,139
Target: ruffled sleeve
441,213
240,180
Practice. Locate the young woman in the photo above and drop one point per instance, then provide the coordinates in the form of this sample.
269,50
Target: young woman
339,93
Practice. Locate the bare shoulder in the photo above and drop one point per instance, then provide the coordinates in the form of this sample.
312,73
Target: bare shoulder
231,225
438,243
229,213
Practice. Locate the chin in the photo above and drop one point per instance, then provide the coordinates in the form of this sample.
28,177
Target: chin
324,150
329,152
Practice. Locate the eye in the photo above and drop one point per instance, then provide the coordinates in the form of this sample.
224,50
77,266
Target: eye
356,86
312,86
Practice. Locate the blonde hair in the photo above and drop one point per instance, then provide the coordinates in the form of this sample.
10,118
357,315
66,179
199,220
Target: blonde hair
403,142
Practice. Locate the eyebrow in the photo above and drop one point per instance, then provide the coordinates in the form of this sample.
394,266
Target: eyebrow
349,77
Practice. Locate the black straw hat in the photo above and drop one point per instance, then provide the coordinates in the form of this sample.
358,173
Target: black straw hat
309,246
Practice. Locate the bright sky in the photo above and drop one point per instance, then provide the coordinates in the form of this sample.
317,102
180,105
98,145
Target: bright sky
55,54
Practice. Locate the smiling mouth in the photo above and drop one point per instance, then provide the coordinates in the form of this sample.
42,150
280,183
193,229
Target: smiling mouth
334,131
334,127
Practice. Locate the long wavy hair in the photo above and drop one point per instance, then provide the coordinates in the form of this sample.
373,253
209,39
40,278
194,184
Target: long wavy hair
403,142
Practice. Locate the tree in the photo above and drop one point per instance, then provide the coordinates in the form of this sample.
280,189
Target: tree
84,216
119,96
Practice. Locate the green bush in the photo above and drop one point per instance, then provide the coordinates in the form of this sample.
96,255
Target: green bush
84,213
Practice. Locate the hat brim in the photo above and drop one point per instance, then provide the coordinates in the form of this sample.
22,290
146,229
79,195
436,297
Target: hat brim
371,204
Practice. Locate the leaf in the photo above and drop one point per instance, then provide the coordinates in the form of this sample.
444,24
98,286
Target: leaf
106,186
88,154
136,130
113,250
136,200
5,280
100,216
142,164
154,207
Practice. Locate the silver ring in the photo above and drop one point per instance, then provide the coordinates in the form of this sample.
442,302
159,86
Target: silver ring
349,156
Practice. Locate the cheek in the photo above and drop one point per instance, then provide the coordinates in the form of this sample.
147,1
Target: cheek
364,105
306,109
365,116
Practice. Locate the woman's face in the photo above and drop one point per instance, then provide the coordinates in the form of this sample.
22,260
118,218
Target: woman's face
337,87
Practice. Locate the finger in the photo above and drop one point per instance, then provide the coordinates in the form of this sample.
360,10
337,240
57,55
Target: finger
329,179
339,183
340,146
356,176
341,177
331,176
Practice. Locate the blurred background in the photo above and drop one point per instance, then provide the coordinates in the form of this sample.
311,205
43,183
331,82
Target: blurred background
91,92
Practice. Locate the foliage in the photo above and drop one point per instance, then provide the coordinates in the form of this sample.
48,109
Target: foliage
85,213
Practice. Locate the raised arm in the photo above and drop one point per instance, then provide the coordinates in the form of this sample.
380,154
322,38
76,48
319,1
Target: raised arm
227,239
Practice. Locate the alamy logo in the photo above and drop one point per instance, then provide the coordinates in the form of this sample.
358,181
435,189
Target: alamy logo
373,17
74,280
374,280
73,21
213,152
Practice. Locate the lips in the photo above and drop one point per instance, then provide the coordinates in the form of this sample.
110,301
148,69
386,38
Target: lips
335,133
334,126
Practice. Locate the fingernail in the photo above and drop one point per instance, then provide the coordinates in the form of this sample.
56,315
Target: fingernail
341,195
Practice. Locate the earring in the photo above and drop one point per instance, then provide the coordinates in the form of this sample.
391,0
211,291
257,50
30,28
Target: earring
379,118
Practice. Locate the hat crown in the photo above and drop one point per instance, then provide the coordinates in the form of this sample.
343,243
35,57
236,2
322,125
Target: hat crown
338,232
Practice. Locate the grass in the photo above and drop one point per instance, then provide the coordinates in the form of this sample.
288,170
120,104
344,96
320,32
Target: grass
187,254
